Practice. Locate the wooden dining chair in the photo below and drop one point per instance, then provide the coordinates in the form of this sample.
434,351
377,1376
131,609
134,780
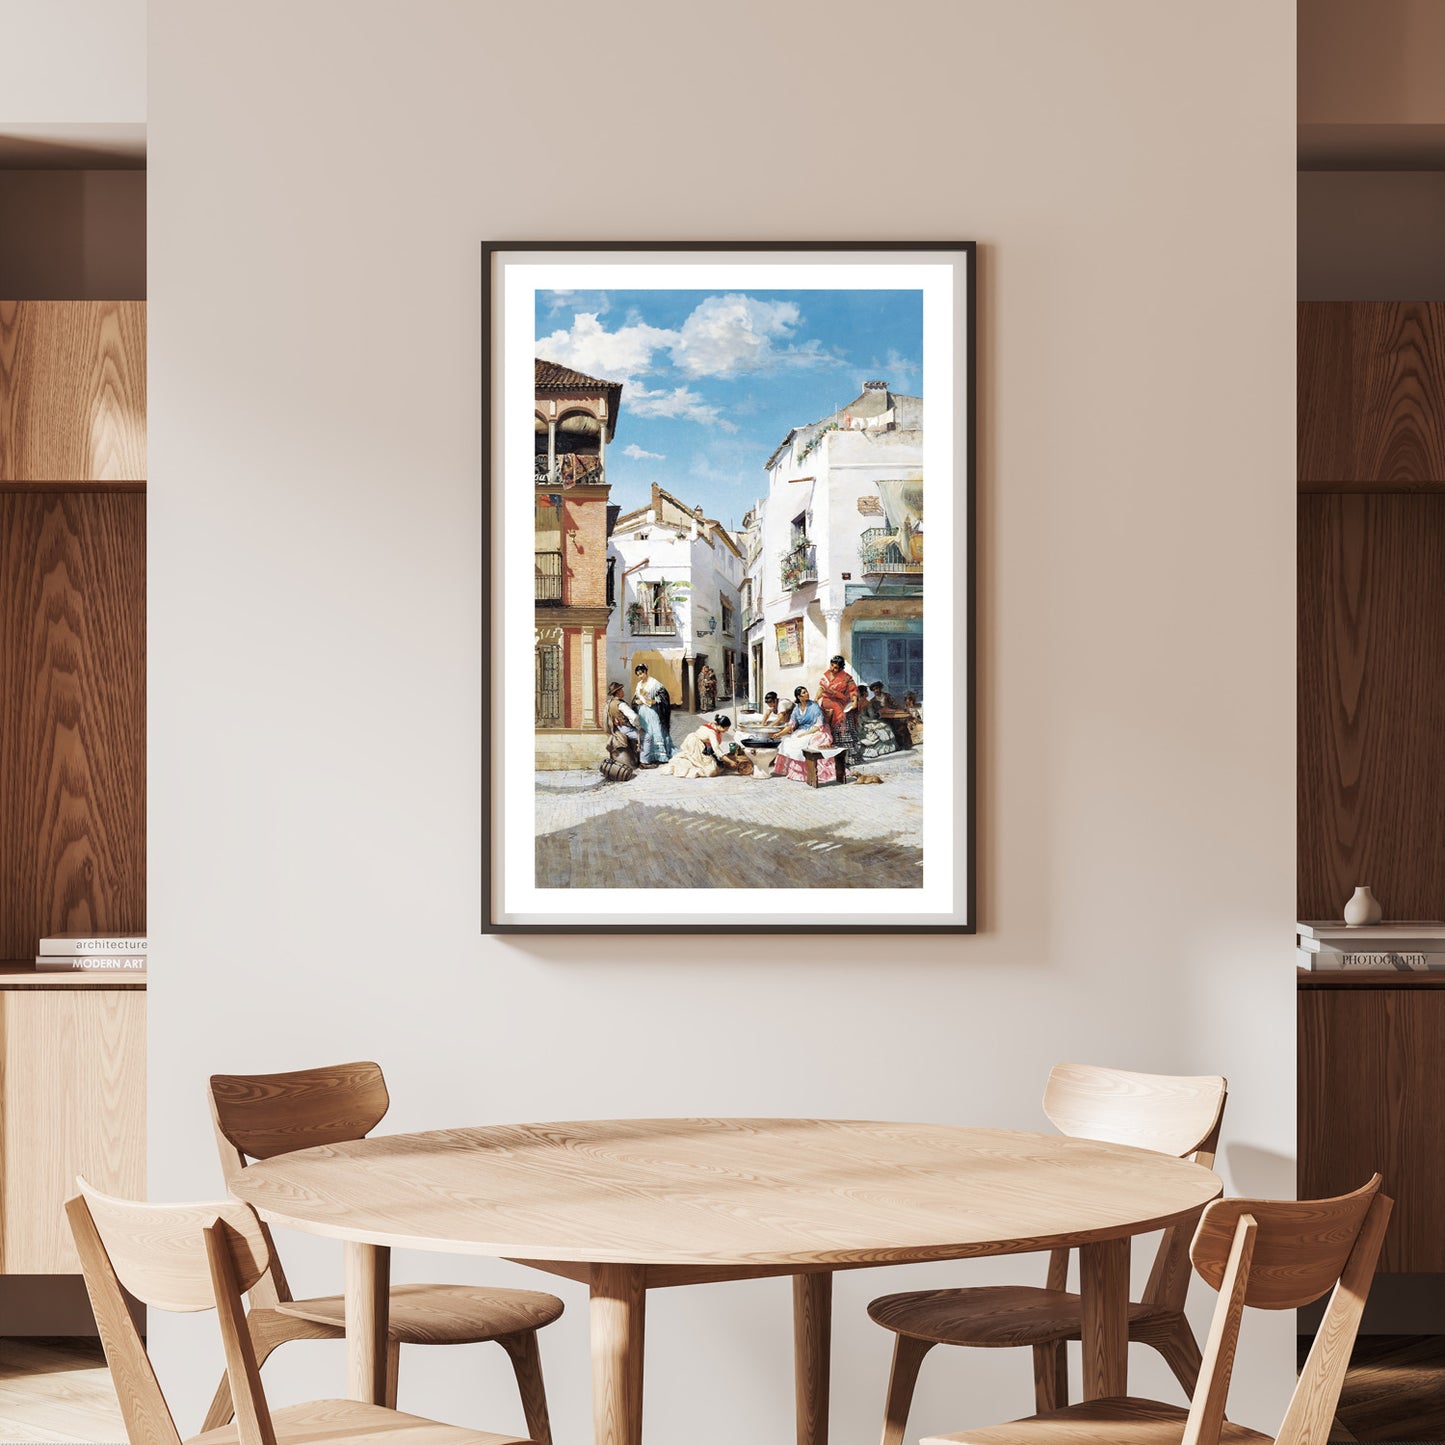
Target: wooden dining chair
258,1116
1269,1254
1170,1114
193,1257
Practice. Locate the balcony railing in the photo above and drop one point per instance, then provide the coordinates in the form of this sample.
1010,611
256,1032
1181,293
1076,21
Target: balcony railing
569,470
881,549
549,577
800,566
653,627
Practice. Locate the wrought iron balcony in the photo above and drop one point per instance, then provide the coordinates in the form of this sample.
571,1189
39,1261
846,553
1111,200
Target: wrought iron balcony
654,627
549,577
882,554
800,566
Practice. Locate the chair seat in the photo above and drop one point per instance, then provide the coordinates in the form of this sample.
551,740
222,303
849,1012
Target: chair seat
1125,1420
444,1314
340,1422
991,1315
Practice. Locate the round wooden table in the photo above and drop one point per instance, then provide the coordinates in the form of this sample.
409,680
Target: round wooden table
628,1205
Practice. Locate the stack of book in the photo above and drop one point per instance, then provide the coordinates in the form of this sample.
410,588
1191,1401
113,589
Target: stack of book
1416,947
101,953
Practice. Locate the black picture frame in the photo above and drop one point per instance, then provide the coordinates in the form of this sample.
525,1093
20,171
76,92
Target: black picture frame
964,741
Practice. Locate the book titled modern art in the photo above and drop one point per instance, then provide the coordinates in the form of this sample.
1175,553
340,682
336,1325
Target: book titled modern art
704,479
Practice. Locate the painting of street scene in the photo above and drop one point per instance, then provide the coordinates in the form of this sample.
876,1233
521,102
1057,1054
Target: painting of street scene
729,629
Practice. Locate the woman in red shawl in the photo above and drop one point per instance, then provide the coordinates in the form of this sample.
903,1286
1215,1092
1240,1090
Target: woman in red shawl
838,697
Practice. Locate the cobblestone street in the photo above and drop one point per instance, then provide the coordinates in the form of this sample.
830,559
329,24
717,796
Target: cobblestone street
658,831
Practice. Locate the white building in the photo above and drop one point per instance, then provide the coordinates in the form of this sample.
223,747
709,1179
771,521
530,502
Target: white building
835,550
675,577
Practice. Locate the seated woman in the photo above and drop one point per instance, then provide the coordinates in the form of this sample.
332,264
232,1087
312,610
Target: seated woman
697,755
654,715
806,732
775,719
878,736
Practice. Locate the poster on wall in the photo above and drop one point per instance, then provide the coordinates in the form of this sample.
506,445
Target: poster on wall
731,642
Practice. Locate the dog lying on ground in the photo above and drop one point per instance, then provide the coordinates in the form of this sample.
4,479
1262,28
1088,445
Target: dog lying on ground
866,778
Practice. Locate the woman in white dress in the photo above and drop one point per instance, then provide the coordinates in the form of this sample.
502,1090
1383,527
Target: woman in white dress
697,754
654,713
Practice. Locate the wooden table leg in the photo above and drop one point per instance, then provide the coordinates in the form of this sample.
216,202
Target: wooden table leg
1104,1287
368,1301
812,1341
619,1313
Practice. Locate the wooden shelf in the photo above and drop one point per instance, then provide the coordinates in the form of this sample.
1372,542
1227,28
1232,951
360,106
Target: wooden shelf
19,974
10,484
1367,978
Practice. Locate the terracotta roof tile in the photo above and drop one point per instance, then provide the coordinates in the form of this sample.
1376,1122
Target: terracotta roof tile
552,374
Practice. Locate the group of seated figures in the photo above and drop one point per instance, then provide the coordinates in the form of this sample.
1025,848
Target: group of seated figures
862,723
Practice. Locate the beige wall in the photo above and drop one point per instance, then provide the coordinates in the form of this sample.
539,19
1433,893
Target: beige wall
322,176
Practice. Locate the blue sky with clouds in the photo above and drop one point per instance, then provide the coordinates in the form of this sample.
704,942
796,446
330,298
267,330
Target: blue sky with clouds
713,381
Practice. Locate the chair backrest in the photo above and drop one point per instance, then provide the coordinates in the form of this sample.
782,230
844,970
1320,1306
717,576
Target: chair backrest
1281,1254
258,1116
179,1257
1175,1114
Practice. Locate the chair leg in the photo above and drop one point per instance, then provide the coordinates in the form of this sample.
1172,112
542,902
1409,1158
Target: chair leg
907,1357
264,1339
527,1366
393,1371
1181,1353
1051,1376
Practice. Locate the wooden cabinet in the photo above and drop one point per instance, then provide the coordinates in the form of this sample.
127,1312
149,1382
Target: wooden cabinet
1371,702
72,779
72,391
1371,410
72,1078
1370,1064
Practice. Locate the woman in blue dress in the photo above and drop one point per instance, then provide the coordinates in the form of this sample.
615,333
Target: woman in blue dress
654,715
807,730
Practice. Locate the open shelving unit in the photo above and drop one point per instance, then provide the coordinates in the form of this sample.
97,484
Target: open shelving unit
72,780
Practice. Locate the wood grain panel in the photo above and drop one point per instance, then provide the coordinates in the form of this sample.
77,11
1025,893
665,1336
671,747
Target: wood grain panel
1369,1100
1398,391
72,390
72,1101
1371,703
72,715
1324,418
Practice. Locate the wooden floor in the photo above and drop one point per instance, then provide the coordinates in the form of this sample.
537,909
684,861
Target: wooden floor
56,1390
1395,1389
59,1390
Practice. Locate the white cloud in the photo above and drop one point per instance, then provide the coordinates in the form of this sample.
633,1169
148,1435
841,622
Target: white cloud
730,335
638,454
611,355
681,402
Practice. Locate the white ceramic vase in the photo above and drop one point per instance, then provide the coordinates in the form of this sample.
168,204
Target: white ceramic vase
1363,909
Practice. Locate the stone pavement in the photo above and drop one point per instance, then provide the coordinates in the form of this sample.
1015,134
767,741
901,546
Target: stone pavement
658,831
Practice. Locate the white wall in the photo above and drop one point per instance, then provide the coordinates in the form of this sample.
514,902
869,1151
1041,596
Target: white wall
73,60
321,178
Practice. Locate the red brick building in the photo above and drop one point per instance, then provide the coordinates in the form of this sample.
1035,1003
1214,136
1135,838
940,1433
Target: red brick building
575,418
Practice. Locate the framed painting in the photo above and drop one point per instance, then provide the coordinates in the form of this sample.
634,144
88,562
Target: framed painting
731,642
